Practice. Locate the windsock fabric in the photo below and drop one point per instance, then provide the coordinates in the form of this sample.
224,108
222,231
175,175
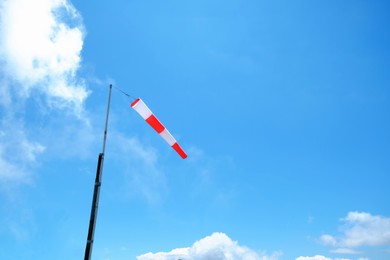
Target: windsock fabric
143,110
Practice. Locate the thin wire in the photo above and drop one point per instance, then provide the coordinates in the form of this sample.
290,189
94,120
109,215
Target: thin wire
124,93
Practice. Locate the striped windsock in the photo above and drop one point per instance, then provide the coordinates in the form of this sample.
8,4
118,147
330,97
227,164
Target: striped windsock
146,114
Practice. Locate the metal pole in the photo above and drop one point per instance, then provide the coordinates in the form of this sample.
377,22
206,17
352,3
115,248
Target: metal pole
108,112
96,191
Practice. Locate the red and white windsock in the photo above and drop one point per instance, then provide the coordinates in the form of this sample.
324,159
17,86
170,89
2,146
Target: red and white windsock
143,110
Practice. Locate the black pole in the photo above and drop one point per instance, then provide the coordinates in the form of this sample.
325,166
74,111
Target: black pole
96,191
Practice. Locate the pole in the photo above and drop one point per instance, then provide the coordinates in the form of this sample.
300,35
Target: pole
96,191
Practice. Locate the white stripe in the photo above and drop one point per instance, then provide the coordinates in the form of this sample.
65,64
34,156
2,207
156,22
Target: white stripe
168,137
142,109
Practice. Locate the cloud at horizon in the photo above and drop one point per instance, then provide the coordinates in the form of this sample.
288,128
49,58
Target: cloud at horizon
360,229
217,246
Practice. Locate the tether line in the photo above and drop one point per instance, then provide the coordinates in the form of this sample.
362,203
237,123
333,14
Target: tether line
123,92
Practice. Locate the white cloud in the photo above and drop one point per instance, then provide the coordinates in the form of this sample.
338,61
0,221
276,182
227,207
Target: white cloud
40,54
40,45
320,257
40,51
218,246
364,229
316,257
359,229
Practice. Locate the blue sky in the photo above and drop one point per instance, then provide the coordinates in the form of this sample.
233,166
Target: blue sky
282,106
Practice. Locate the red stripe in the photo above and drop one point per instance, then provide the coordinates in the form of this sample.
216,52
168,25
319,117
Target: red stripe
153,122
180,151
135,102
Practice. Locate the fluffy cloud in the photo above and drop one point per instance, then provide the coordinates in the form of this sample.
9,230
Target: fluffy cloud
40,45
359,229
320,257
218,246
366,229
316,257
39,51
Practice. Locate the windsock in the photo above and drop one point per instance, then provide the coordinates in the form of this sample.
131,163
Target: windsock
143,110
